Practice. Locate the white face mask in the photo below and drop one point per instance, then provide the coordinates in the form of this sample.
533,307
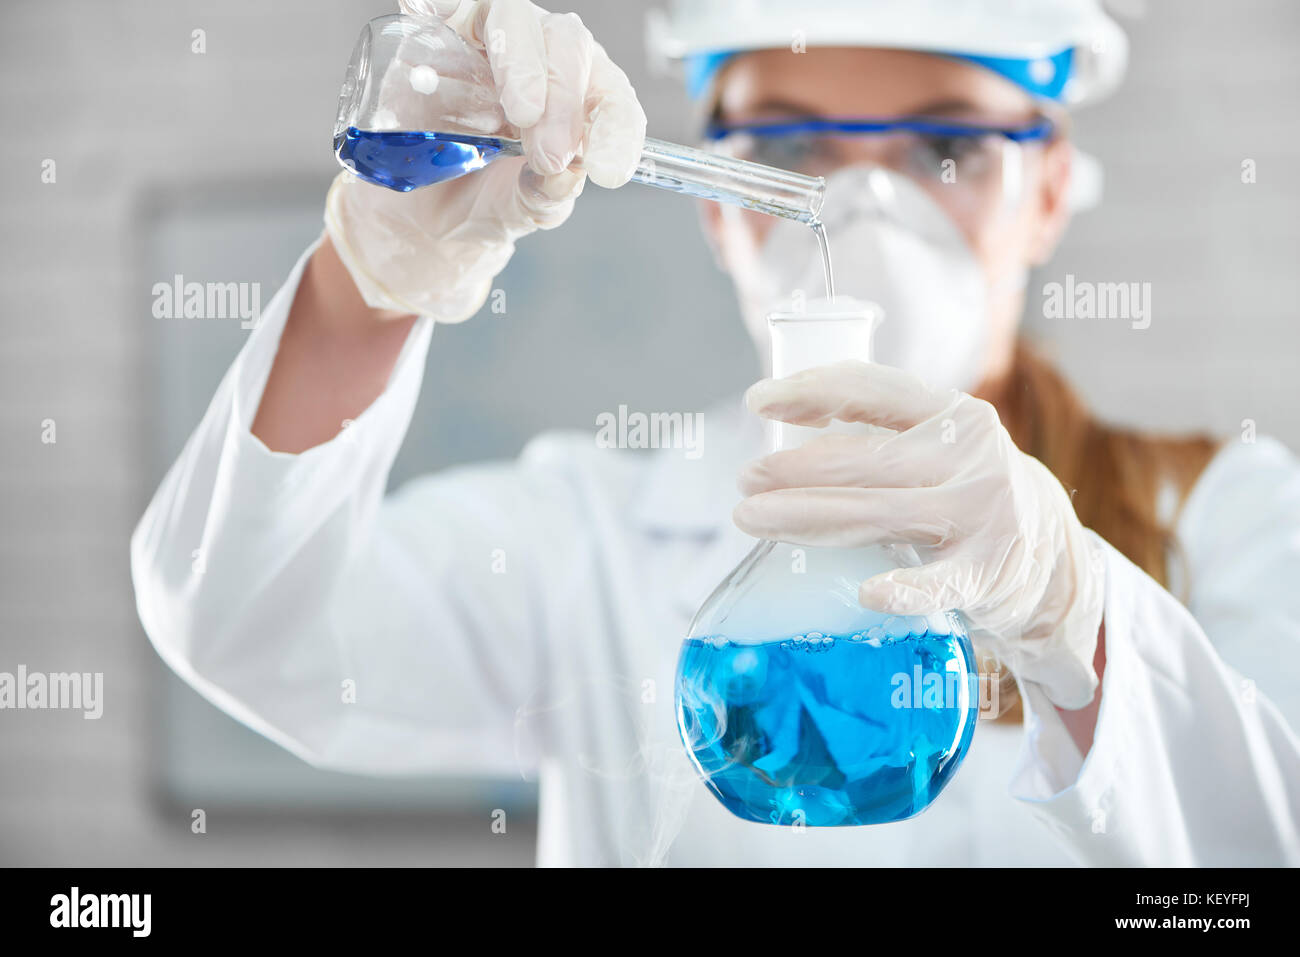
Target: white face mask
892,245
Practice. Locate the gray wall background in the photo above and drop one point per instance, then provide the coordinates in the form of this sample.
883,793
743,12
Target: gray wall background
214,166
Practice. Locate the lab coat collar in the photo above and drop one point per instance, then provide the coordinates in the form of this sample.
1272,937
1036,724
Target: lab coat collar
696,496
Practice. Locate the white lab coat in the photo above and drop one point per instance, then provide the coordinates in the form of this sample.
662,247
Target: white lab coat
525,617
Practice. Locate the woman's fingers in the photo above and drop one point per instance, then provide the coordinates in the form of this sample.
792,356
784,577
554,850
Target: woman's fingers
555,83
553,143
849,391
616,124
510,32
849,517
918,458
833,459
437,9
924,590
547,201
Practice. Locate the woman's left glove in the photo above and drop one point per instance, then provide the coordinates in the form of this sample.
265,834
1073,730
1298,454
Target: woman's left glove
996,530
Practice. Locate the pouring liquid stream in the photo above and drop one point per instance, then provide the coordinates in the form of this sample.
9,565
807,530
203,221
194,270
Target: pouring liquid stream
823,244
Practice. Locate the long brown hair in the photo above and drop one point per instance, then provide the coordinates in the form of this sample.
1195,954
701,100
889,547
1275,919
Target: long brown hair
1126,485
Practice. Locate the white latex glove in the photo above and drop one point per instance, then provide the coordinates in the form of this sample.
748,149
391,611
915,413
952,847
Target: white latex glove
435,251
996,530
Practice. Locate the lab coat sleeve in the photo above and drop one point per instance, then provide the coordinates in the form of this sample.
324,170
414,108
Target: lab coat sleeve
1193,762
289,592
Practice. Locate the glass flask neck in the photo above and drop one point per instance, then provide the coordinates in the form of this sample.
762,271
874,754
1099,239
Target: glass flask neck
820,333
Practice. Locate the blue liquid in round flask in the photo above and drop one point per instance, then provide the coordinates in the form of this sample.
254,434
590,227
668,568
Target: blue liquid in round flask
797,705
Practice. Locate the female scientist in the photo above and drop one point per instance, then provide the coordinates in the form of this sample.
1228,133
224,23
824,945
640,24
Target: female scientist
526,617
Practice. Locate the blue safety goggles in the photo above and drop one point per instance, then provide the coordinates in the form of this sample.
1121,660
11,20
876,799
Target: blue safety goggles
972,169
920,146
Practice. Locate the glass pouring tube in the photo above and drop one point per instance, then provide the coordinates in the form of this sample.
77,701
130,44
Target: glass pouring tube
704,175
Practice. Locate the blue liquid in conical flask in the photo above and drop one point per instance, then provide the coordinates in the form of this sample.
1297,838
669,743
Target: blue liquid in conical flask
405,160
827,730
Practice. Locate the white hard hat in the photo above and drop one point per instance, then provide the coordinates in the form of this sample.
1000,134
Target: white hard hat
1069,51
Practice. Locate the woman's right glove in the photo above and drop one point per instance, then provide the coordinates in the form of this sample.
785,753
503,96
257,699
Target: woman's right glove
526,74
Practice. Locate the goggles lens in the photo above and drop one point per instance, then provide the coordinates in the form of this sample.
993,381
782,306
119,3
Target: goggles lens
971,169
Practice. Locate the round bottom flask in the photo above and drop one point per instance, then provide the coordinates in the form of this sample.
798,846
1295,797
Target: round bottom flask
799,706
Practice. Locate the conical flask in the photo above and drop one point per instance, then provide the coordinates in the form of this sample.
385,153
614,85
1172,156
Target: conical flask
419,107
797,705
